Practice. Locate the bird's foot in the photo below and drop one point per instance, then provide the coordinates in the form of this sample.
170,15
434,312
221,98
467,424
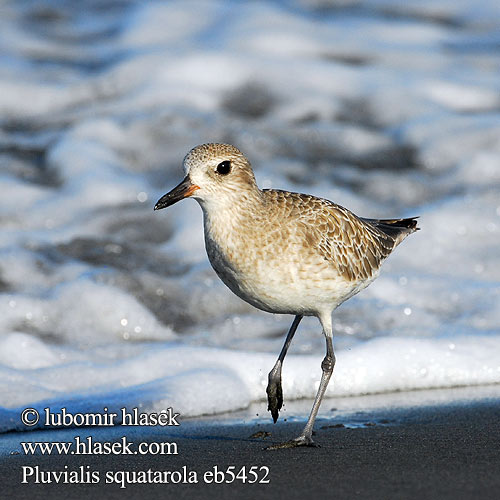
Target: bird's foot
294,443
274,397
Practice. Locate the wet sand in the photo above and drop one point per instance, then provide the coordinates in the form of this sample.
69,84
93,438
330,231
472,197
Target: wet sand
426,452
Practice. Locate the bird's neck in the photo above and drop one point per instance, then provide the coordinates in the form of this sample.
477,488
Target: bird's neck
227,218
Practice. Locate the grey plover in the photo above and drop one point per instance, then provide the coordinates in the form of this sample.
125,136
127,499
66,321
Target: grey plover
283,252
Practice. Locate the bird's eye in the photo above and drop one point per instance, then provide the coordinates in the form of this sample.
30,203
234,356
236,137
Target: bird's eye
224,167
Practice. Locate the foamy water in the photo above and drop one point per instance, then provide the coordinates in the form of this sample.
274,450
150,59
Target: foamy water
389,110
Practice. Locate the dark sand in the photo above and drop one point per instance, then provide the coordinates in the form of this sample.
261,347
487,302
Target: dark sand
444,451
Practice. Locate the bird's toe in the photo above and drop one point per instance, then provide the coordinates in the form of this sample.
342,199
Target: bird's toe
294,443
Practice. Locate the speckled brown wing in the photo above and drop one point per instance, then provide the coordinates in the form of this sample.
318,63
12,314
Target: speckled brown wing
354,247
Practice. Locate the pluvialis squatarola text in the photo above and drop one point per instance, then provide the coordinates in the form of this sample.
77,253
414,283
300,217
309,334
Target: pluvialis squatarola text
283,252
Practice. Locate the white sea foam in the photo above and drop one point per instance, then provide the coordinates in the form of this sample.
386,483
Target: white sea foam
200,380
105,303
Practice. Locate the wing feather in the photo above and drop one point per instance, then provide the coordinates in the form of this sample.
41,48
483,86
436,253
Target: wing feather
355,247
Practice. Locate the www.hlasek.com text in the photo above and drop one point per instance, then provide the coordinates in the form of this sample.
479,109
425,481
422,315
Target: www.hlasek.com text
90,446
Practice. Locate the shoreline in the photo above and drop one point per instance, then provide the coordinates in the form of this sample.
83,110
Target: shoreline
434,451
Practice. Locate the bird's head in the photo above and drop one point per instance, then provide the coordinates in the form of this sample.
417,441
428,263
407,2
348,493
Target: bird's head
214,173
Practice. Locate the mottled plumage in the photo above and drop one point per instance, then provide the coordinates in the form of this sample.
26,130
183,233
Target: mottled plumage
283,252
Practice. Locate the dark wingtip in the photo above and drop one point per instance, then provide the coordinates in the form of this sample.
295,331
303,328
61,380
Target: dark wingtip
389,226
410,223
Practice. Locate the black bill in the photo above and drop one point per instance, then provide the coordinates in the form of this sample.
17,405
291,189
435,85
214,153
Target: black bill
183,190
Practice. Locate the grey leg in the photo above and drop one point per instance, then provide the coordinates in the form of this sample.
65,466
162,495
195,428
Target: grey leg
327,366
305,438
274,390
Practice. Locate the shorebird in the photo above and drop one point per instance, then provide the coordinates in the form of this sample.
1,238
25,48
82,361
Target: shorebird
283,252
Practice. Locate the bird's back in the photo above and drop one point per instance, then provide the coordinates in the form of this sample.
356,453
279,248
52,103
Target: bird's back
355,246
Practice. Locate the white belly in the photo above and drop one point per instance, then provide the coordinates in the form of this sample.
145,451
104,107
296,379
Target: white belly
279,284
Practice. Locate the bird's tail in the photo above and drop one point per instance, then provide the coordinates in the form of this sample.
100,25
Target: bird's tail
398,229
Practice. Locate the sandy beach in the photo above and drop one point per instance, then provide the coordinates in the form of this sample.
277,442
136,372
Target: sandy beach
427,451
